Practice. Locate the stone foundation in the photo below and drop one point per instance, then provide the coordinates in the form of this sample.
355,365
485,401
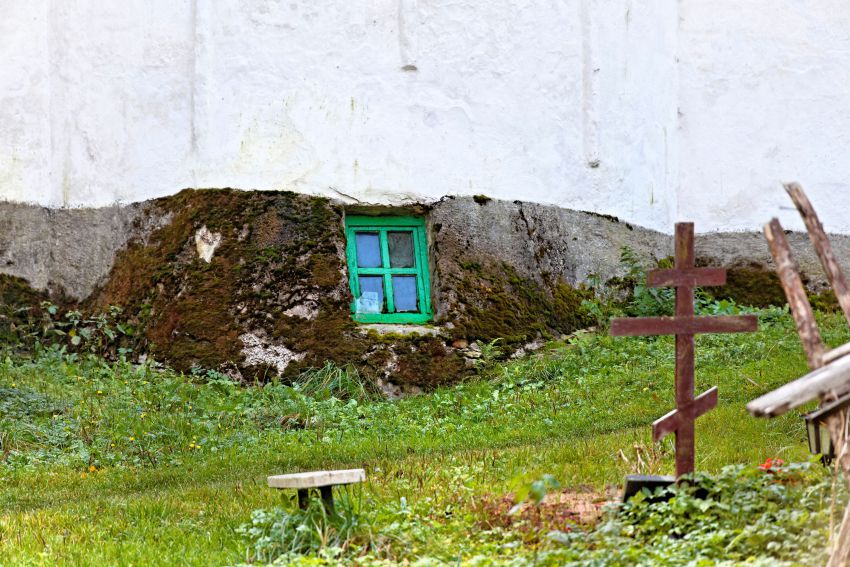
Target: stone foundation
255,283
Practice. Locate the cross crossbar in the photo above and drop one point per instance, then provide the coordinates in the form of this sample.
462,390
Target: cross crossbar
683,325
673,421
686,277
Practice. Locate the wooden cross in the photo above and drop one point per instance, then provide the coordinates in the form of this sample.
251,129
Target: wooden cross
684,277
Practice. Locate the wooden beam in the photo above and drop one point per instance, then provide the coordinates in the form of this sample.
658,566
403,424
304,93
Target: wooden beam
801,309
651,326
836,353
822,246
834,378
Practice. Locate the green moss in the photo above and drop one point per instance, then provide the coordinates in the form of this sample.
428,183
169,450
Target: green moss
498,303
428,363
750,285
16,292
825,301
19,309
278,249
481,199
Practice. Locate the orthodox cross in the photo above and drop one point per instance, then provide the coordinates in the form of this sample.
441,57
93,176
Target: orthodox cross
685,276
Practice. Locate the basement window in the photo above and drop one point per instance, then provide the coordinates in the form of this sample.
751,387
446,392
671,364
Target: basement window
388,269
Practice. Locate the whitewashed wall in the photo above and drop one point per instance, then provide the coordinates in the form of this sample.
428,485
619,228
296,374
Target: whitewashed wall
652,110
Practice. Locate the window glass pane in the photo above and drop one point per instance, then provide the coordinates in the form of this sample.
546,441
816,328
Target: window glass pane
401,249
368,249
371,298
404,293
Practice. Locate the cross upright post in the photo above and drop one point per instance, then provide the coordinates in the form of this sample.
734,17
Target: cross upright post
685,277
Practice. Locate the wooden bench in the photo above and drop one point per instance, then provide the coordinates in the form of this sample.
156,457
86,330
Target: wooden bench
323,480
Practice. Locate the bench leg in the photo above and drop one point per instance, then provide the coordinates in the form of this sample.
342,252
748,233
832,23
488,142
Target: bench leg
303,498
328,499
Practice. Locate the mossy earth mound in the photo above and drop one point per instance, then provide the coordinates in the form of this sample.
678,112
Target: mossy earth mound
500,304
274,299
255,284
274,281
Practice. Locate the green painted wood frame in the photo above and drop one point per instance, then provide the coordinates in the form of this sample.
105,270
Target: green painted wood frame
382,225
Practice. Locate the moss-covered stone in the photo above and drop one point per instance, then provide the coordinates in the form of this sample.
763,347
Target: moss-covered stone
20,309
278,279
752,285
759,286
278,251
496,303
825,301
278,273
428,363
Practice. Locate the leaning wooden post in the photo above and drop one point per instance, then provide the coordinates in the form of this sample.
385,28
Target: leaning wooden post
822,247
801,309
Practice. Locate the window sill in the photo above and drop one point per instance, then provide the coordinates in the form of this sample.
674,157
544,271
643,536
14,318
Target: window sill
391,318
398,329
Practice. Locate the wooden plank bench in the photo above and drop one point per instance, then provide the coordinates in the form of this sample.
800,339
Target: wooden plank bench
323,480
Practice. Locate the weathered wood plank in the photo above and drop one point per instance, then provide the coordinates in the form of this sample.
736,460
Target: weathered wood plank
685,258
317,479
683,325
833,378
686,277
836,353
801,309
822,246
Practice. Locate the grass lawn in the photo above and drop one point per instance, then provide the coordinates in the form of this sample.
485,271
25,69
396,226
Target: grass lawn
123,465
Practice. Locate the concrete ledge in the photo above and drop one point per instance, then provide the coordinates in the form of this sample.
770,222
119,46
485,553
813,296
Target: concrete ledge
391,329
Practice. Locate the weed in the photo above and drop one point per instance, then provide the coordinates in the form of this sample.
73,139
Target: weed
284,532
332,381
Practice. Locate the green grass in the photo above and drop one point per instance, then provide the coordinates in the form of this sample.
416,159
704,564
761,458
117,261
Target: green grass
124,465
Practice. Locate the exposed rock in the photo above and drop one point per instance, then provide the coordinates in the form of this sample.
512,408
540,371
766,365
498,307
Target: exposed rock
308,311
397,391
64,251
534,345
206,242
259,352
43,246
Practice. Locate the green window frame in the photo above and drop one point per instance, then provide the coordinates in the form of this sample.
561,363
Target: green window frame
382,226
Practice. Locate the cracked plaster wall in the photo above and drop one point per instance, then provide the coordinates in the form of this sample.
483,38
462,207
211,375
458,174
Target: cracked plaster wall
650,111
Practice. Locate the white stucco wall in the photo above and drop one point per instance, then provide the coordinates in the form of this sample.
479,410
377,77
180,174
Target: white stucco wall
764,98
653,111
